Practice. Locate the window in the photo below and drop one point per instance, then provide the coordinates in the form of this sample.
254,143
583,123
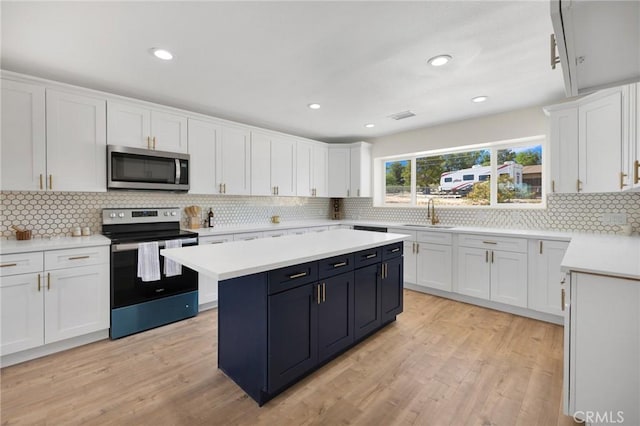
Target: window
464,177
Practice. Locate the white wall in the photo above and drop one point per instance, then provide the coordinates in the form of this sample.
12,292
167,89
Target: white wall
491,128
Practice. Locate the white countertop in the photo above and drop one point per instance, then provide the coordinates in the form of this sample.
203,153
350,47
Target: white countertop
614,255
54,243
240,258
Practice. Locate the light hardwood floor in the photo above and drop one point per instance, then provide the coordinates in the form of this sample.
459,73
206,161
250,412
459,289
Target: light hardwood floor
441,363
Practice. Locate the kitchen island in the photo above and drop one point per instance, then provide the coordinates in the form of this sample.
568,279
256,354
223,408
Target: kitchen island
289,305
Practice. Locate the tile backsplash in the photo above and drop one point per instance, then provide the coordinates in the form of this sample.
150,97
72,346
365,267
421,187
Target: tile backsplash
564,212
55,213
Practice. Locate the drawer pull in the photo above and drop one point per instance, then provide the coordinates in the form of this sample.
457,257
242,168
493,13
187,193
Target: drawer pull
489,242
395,250
6,265
300,275
337,265
79,257
215,242
371,256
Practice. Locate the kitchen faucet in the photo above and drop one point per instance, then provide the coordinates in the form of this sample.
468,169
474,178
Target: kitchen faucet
431,212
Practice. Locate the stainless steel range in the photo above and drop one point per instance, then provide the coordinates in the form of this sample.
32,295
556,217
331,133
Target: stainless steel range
144,293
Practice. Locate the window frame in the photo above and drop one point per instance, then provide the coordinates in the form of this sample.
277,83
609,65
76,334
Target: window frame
493,147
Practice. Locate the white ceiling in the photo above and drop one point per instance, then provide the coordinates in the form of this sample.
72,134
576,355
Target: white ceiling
261,63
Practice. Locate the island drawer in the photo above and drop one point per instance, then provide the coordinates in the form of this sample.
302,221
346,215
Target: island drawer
292,276
335,265
367,257
392,250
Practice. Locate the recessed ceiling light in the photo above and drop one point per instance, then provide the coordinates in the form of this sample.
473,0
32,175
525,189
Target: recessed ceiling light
369,125
314,106
479,99
440,60
163,54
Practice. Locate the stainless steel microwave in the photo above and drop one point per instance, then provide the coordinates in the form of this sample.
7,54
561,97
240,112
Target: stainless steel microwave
146,169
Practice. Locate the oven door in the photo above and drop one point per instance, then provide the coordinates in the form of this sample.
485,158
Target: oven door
134,168
127,289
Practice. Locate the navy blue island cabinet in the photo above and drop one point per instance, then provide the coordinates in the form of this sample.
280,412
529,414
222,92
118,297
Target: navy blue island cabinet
276,327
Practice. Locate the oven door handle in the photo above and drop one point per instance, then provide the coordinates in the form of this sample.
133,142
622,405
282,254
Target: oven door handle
177,170
134,246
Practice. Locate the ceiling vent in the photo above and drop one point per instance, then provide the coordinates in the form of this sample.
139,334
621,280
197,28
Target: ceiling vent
402,115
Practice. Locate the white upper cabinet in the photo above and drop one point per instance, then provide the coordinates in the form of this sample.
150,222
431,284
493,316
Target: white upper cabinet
360,169
588,139
233,161
273,165
283,166
138,126
76,142
598,43
339,171
203,139
600,141
564,150
23,136
311,169
350,170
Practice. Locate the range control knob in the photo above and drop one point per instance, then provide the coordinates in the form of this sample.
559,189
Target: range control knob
173,213
112,215
166,213
121,215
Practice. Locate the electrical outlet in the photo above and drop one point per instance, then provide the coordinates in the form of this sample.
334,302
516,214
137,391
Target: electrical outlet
613,218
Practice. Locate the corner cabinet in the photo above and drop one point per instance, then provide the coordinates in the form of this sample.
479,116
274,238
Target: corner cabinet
602,348
276,327
350,170
52,296
52,140
590,142
139,126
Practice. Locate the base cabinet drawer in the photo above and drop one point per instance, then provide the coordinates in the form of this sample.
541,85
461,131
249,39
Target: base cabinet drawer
21,263
489,242
58,259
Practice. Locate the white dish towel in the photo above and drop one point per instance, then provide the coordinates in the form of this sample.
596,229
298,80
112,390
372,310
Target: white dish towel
171,268
149,261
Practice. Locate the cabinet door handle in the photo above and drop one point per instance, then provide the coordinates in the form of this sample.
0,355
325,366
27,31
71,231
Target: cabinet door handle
40,180
636,172
486,256
358,192
48,280
417,248
395,250
39,283
413,247
555,59
553,186
6,265
318,300
578,185
148,142
224,187
299,275
154,142
562,298
324,292
540,246
348,192
339,264
79,257
371,256
622,176
50,181
277,190
491,256
384,270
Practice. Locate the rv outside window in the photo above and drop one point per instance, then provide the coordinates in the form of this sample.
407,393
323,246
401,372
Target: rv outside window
462,177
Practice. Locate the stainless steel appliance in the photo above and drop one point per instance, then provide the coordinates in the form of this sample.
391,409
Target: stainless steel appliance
146,169
137,305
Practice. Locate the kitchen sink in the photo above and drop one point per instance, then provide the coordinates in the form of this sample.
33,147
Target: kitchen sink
413,224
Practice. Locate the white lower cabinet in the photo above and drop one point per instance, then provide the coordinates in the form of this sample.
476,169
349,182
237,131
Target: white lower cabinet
48,300
497,275
207,286
434,266
602,349
410,259
545,276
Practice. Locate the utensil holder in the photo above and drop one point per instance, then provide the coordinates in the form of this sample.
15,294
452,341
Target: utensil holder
23,235
194,222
